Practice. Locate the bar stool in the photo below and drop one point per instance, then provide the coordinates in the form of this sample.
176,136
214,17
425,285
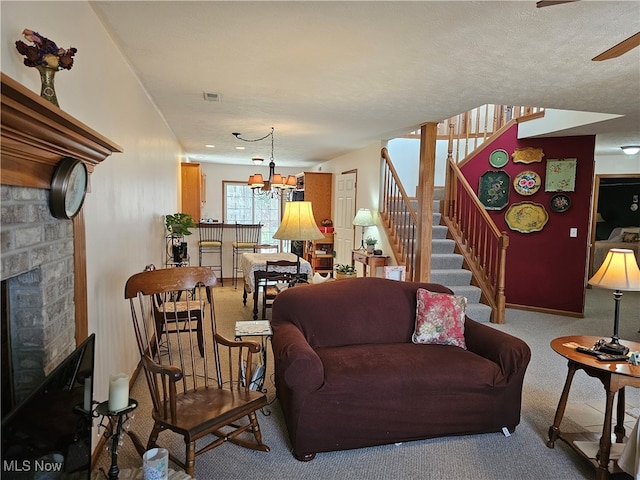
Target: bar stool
247,236
211,242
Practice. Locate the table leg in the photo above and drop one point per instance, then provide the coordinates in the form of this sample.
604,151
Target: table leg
255,302
602,472
244,295
554,430
619,429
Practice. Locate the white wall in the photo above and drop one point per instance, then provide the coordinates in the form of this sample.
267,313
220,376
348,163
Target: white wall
130,191
217,173
366,162
607,164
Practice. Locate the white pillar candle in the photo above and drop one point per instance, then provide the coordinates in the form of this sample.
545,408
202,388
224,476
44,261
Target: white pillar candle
118,392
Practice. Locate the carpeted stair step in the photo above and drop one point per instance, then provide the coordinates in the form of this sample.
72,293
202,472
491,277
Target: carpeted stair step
446,261
436,218
450,278
442,245
439,232
470,291
479,312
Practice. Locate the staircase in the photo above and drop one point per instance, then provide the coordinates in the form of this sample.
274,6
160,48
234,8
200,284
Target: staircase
447,269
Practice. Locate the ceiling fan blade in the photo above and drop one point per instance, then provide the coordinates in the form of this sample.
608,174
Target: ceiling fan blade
619,49
549,3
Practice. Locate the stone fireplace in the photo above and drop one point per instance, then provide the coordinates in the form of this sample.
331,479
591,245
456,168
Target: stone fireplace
44,301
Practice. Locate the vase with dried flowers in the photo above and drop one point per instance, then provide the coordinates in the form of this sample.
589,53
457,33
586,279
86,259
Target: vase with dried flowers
47,58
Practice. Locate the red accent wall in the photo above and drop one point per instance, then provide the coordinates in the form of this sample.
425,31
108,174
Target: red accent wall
545,269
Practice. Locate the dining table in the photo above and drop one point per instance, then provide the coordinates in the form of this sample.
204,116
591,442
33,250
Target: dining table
254,266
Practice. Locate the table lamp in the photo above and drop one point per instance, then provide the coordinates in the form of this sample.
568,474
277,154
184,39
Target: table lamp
298,223
618,272
363,219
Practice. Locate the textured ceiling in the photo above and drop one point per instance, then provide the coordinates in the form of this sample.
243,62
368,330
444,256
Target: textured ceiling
331,77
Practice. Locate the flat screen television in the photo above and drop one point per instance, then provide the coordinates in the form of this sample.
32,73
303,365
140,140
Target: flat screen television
48,435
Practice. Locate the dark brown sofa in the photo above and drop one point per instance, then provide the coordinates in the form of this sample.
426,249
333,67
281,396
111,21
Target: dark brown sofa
348,376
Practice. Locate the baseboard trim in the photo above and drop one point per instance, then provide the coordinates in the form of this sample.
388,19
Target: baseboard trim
551,311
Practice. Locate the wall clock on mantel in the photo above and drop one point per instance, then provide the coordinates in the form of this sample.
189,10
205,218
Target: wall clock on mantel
68,188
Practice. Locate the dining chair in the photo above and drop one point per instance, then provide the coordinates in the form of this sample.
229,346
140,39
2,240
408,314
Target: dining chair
266,248
247,236
211,243
204,397
275,281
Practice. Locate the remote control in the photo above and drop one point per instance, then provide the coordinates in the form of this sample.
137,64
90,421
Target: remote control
588,351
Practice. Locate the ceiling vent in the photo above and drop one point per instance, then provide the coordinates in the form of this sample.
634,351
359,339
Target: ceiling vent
211,97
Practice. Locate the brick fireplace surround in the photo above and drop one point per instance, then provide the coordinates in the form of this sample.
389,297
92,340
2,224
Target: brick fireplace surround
43,258
37,263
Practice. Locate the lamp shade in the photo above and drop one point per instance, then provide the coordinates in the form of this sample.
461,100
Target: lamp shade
298,223
256,181
619,271
363,218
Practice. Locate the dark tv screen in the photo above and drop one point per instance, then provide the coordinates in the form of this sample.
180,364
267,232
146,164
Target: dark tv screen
48,435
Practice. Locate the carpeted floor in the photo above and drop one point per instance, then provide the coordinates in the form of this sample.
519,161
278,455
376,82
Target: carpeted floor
523,455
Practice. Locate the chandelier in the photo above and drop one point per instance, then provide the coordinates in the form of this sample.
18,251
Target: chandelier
276,184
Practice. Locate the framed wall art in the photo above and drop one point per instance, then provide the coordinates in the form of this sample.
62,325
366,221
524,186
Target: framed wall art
493,190
526,217
561,175
527,183
560,202
527,155
498,158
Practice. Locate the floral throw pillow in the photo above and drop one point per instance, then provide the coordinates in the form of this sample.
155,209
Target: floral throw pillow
439,319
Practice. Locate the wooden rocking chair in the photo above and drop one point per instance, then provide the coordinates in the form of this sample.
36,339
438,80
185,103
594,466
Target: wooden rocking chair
193,395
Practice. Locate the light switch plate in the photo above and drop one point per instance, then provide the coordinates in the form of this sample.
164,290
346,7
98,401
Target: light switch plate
573,232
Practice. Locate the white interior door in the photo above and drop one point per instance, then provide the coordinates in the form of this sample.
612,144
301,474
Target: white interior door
345,210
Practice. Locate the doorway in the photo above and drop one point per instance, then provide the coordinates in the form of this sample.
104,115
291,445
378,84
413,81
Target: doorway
345,189
616,204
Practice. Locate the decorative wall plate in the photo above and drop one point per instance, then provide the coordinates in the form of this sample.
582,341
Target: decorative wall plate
527,155
560,203
526,217
527,183
493,190
498,158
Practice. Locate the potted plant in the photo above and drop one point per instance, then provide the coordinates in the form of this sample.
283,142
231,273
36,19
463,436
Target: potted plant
345,271
371,243
178,226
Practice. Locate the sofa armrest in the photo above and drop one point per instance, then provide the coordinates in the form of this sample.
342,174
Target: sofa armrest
298,365
510,353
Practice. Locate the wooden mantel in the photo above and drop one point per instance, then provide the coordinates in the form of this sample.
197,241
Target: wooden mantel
35,135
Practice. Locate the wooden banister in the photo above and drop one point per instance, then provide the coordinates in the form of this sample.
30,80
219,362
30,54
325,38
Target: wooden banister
480,242
399,218
477,238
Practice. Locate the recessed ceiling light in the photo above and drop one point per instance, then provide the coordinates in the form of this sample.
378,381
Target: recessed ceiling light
239,148
210,145
631,149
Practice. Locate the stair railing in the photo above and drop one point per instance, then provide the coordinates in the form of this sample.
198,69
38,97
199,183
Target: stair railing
482,245
471,129
399,218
